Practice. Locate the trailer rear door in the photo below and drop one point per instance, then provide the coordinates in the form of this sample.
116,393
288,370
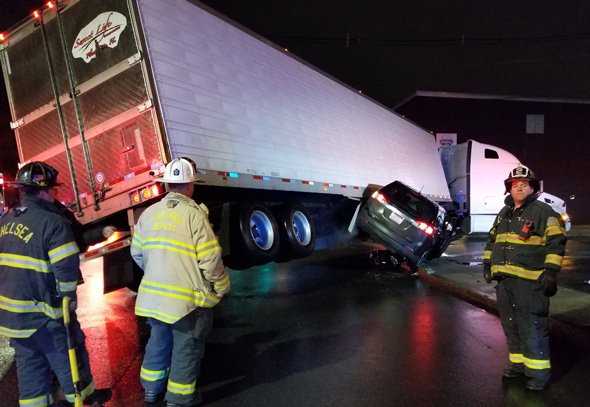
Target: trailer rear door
80,100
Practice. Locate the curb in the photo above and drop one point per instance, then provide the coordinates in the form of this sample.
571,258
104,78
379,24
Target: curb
458,290
562,330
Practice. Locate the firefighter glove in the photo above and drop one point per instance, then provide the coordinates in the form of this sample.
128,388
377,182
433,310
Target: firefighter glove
487,273
107,231
548,281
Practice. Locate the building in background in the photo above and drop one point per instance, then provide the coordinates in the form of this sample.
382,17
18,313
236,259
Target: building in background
551,136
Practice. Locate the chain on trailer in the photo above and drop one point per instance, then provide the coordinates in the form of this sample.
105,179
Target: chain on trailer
62,121
76,103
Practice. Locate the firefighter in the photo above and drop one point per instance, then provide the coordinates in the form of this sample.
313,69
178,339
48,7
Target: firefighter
524,251
39,266
184,277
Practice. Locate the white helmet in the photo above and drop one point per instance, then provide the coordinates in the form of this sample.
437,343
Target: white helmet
179,171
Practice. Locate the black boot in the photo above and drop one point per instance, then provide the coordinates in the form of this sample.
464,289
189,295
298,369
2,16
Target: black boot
99,396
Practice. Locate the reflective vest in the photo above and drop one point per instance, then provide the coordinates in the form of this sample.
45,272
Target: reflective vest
39,264
174,244
525,241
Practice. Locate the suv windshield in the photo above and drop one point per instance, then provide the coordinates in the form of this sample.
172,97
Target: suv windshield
410,202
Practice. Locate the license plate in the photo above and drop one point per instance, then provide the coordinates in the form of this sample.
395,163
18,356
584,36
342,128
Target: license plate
395,217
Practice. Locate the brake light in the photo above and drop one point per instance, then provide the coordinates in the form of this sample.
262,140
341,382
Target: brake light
145,194
425,227
379,197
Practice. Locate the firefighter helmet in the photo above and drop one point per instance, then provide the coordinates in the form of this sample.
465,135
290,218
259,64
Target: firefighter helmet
522,173
37,174
180,171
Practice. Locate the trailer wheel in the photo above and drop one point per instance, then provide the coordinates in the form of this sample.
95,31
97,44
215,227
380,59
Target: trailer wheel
258,232
297,230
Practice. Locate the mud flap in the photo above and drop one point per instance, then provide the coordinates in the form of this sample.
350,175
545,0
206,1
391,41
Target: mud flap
352,228
120,271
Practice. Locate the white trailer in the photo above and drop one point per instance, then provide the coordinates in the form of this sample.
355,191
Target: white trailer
108,91
475,174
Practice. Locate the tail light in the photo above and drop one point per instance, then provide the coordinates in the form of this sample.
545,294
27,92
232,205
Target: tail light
379,197
145,194
425,227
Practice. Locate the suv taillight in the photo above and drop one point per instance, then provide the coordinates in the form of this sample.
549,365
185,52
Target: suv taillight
425,227
378,196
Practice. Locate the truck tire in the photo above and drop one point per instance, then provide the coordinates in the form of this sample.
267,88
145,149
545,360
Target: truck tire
296,229
257,232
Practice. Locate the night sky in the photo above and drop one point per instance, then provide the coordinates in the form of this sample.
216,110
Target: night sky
389,49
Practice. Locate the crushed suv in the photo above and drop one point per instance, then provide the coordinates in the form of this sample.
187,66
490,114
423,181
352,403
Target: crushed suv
408,223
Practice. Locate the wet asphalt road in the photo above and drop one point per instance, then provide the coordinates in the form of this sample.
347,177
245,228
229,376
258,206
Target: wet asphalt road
326,331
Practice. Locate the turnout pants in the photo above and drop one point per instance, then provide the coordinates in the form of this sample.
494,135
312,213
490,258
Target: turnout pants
46,350
173,356
524,313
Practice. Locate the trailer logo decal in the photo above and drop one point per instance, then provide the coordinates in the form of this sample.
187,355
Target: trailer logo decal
102,32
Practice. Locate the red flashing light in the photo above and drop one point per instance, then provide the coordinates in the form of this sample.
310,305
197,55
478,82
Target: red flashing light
50,4
425,227
2,37
379,197
36,14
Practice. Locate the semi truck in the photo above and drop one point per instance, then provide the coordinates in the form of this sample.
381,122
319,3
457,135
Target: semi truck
475,173
108,91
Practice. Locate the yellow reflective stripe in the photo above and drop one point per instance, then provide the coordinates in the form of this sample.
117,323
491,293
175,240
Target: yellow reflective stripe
516,271
24,262
180,293
136,241
86,392
553,259
222,283
41,401
153,375
554,230
513,238
21,306
202,246
211,250
487,254
173,291
172,245
207,247
63,251
195,297
67,286
537,364
515,357
16,333
183,389
144,312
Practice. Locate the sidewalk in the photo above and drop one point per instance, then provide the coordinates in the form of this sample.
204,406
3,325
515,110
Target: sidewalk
459,272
